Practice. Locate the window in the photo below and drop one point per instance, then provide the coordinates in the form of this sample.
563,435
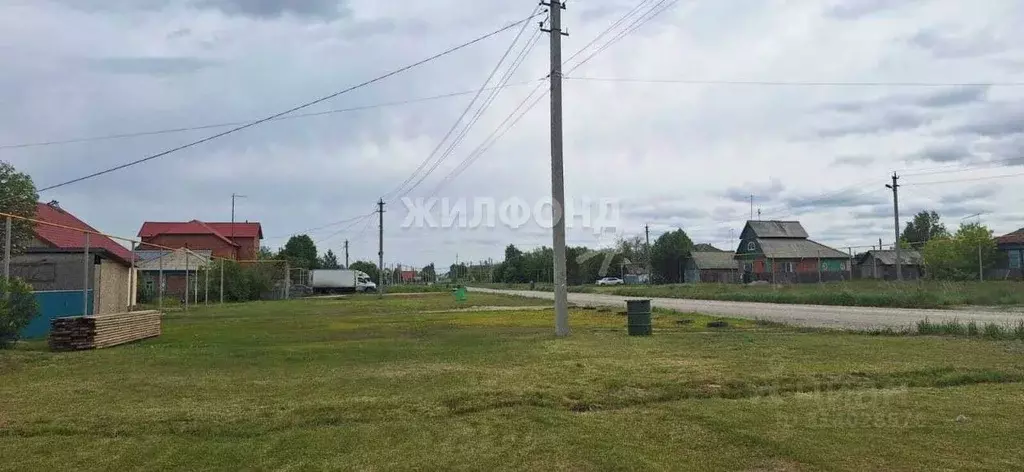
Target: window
748,267
1014,255
149,285
788,267
751,246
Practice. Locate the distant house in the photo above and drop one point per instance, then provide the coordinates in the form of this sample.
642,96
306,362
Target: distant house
54,262
881,264
173,265
704,247
711,267
408,276
1011,254
235,241
780,252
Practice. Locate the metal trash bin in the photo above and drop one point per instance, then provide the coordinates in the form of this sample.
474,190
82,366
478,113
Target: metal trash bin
638,317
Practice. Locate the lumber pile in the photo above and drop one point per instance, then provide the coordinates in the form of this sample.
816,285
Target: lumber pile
96,332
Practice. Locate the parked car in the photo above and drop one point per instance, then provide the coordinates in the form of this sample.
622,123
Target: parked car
610,281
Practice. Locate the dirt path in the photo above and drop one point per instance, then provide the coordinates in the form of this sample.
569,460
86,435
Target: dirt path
818,316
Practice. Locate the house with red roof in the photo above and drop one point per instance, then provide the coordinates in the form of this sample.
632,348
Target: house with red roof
55,261
236,241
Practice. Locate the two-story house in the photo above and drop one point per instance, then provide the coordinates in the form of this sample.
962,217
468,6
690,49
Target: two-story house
235,241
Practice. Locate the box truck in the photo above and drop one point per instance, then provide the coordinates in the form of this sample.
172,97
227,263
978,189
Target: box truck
340,281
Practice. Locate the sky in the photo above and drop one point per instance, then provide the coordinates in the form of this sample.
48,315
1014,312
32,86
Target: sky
809,106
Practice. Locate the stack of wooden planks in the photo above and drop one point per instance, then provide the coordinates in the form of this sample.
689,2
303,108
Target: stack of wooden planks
95,332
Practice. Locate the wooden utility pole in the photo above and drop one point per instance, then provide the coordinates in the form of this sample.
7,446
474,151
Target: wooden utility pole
346,254
380,249
557,171
896,218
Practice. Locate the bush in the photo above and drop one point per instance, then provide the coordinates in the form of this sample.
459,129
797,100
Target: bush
17,308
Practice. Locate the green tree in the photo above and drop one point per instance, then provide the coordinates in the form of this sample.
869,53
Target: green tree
429,273
668,253
265,254
925,226
961,257
301,252
17,196
458,272
17,308
368,267
329,261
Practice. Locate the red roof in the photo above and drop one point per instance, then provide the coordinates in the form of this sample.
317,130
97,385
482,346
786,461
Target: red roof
1016,237
221,230
65,238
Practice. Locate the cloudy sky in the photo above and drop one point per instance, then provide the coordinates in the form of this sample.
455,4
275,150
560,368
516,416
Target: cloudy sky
711,101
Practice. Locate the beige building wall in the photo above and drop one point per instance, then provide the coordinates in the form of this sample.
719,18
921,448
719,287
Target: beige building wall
112,288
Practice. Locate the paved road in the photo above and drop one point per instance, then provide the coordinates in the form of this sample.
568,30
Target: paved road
818,316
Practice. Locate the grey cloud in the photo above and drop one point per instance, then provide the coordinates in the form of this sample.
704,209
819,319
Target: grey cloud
1001,120
761,192
977,193
944,45
889,121
951,97
666,211
853,160
854,9
323,9
150,65
943,152
179,33
842,200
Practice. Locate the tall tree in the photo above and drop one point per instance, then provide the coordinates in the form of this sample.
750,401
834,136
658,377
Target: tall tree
301,252
668,253
18,197
329,261
368,267
458,272
960,257
925,226
265,253
428,273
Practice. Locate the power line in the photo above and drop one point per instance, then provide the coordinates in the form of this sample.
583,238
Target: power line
1003,176
293,109
637,23
979,166
793,83
458,139
318,228
501,129
237,123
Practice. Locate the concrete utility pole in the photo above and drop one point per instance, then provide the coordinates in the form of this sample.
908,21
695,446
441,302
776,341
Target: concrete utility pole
160,283
647,254
896,218
346,254
380,250
233,197
85,286
557,171
7,249
222,261
751,206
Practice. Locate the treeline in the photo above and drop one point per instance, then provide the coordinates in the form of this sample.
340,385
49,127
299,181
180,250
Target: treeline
667,256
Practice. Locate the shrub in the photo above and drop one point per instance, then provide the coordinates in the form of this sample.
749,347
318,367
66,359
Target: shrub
17,308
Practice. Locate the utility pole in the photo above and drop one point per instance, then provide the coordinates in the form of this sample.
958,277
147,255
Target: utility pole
557,171
233,197
981,269
751,206
380,250
647,254
222,261
346,254
896,218
85,286
7,249
186,276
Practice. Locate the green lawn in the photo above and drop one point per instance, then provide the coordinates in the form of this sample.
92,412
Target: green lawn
403,384
910,294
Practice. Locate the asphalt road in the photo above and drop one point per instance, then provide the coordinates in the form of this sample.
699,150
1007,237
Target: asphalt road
817,316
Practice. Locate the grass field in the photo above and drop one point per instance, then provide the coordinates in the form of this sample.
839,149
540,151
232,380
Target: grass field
918,294
406,383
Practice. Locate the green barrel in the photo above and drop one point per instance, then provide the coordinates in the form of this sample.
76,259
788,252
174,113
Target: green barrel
638,315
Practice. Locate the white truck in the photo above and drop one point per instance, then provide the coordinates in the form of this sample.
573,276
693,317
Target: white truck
340,281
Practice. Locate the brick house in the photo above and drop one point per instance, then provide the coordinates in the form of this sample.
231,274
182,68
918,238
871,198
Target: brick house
780,252
236,241
54,262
